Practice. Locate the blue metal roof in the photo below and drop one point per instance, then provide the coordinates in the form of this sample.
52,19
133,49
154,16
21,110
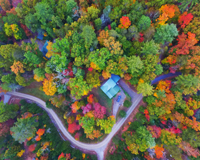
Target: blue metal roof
109,84
110,88
115,78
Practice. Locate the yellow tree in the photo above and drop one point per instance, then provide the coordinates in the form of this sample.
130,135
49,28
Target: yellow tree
49,86
17,67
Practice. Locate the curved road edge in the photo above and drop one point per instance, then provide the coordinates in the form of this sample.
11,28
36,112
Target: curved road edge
99,147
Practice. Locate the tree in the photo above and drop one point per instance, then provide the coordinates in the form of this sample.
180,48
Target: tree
93,12
167,12
186,147
168,138
158,3
5,127
185,3
79,87
92,78
102,36
73,127
145,89
61,46
140,141
7,111
87,124
192,137
113,46
122,113
31,22
98,58
44,12
165,33
99,111
185,19
39,72
188,84
24,128
9,78
49,86
17,67
32,59
5,5
89,36
98,23
8,53
144,23
151,48
159,151
22,81
124,22
106,124
135,65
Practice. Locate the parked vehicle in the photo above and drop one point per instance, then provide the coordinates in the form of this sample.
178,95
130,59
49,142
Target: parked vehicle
118,98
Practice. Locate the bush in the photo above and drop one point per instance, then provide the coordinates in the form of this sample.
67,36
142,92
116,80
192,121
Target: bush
122,113
127,103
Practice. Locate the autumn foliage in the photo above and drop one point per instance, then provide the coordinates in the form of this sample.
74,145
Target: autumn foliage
49,86
17,67
185,19
124,22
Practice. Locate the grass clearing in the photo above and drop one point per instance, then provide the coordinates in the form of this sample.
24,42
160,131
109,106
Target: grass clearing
34,90
103,99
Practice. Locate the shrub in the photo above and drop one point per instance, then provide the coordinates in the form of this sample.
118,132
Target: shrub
127,103
122,113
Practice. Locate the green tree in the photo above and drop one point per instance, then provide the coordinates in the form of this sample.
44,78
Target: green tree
106,124
165,33
135,65
8,53
98,23
92,78
8,111
61,46
31,22
9,78
188,84
44,12
140,141
122,113
40,72
77,50
32,59
144,23
79,87
89,36
150,48
88,124
22,81
99,57
10,19
159,69
24,128
93,12
145,88
56,21
57,63
192,137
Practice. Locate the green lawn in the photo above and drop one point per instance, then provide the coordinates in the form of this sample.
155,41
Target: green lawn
34,90
103,99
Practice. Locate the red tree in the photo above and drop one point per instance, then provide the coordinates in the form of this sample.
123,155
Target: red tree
73,127
185,19
99,111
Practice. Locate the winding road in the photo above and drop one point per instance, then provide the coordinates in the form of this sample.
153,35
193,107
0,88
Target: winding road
99,147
